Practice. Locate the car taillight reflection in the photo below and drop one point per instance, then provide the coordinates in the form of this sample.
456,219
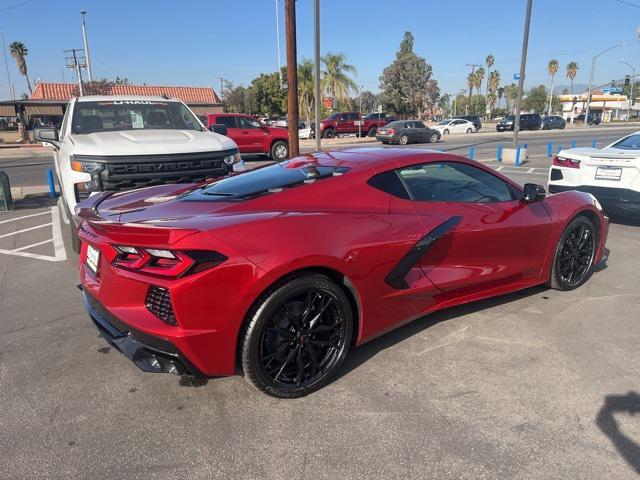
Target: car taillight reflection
566,162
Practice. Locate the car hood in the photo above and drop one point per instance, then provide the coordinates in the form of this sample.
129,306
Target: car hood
149,142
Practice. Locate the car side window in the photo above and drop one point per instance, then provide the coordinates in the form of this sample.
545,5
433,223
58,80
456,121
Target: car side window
248,122
343,117
354,116
229,122
453,182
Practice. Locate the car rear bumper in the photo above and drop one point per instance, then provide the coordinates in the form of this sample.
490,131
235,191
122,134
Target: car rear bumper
503,128
623,199
387,138
148,352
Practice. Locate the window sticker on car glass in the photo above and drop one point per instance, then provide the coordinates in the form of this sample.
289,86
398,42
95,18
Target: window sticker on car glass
136,120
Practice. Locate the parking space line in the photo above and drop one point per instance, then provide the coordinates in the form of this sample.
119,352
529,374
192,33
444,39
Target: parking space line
27,247
25,230
65,218
25,216
58,244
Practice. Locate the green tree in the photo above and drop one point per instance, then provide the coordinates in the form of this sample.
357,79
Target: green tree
444,102
511,93
336,77
536,99
237,99
479,76
489,61
268,97
552,68
306,97
471,82
19,51
493,84
572,71
367,100
407,84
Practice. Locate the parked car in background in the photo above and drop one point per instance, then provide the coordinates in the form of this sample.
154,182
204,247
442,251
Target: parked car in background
343,123
379,116
594,119
552,122
454,125
528,121
112,143
475,119
251,135
611,174
407,131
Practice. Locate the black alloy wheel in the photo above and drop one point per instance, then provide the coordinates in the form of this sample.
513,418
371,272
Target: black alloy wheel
434,138
575,253
403,140
298,335
280,150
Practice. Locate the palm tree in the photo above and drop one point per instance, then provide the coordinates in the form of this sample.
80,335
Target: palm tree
552,68
306,88
572,71
336,78
19,51
471,82
489,61
493,82
510,92
478,84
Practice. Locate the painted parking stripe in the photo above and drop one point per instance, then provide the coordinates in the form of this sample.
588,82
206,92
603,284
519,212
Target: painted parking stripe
25,216
56,238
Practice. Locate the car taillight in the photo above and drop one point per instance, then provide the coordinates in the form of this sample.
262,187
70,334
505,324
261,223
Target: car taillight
166,263
391,131
566,162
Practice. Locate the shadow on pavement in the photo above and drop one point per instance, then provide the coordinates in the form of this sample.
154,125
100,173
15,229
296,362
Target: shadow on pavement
363,353
627,448
39,200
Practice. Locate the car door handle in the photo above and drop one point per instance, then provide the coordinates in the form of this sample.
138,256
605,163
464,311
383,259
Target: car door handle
245,132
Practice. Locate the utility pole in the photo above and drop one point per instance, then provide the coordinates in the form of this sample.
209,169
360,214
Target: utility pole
76,62
316,60
593,67
278,42
86,46
631,80
292,76
6,66
523,64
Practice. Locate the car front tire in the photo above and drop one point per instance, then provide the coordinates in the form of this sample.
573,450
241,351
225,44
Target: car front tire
575,253
434,138
297,336
403,140
329,133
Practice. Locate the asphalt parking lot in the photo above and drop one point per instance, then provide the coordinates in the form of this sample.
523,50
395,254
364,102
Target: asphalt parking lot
537,384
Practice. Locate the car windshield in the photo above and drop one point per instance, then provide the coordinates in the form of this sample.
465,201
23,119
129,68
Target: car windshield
510,118
372,116
632,142
394,125
444,122
118,115
265,180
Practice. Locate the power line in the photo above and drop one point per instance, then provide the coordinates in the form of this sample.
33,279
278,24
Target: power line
15,6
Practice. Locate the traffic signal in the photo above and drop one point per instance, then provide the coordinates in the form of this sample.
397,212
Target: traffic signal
627,80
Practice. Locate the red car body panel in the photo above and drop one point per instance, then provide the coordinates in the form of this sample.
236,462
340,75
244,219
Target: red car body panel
341,226
250,140
344,124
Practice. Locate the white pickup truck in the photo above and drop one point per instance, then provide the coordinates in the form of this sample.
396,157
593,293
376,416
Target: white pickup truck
124,142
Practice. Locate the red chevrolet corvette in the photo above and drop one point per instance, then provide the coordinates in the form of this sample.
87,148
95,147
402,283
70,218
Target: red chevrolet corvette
276,273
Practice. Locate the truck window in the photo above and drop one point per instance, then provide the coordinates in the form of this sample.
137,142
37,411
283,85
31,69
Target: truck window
229,122
119,115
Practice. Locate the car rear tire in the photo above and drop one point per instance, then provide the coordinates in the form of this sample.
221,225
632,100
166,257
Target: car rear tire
372,132
329,133
434,138
403,140
575,253
279,150
297,336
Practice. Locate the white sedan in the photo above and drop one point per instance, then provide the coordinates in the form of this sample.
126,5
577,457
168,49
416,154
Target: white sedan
611,174
455,125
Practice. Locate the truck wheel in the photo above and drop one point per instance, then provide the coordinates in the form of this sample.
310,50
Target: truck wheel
329,133
372,132
76,243
280,150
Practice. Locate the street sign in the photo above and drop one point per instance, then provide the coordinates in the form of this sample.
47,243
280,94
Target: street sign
379,109
516,76
612,90
358,123
328,102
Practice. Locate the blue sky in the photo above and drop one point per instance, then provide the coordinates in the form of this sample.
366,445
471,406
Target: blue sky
194,43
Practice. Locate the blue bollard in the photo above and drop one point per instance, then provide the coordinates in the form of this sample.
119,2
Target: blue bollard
499,153
471,153
518,156
442,150
52,186
573,144
593,144
549,149
560,147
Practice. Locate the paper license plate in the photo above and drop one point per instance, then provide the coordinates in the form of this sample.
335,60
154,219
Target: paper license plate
93,259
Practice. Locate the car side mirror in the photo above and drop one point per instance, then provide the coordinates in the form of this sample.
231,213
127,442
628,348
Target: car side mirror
48,135
219,128
533,193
